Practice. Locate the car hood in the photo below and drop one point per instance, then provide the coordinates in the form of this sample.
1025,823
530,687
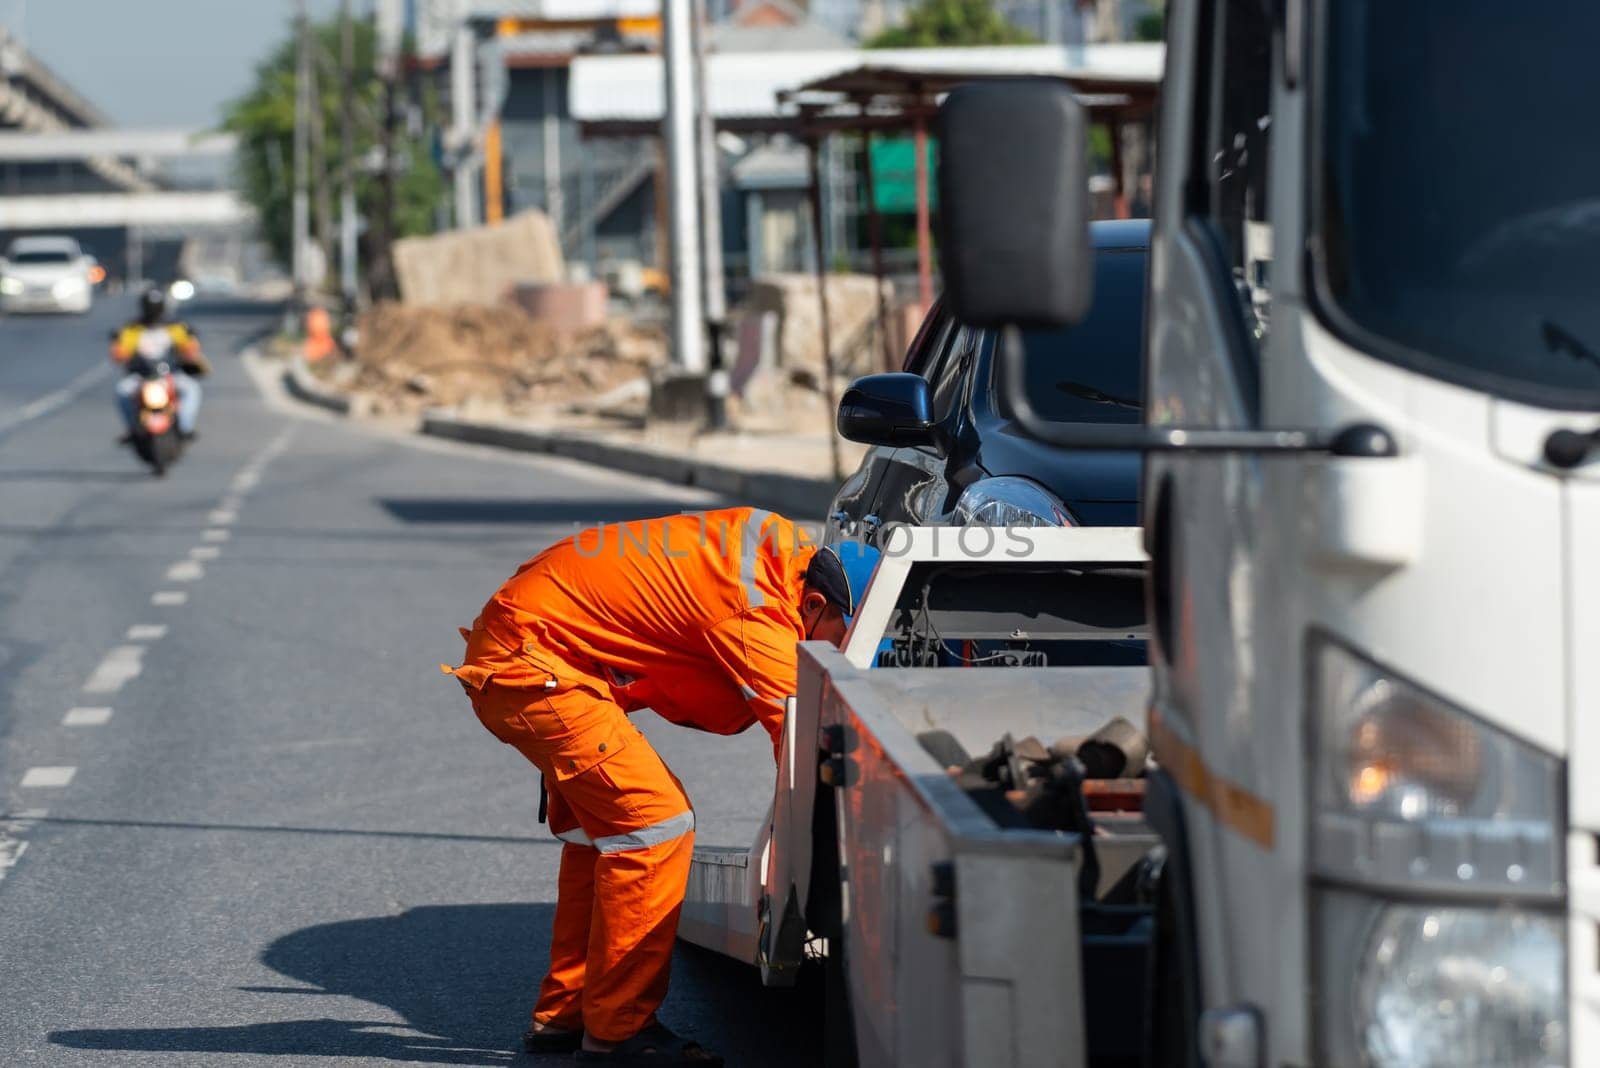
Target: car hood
1101,488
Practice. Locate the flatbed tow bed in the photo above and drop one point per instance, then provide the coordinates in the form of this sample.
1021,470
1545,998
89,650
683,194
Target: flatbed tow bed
957,936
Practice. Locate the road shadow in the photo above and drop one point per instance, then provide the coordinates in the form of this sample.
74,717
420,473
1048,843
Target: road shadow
462,978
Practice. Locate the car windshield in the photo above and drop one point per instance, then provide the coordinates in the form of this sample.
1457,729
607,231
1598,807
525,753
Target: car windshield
1093,372
42,255
1461,197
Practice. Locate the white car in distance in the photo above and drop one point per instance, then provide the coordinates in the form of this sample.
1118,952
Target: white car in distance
46,274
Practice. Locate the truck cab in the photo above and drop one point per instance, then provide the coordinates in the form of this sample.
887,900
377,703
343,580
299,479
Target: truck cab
1372,387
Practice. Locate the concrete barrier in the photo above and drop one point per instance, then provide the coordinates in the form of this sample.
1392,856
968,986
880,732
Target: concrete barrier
303,385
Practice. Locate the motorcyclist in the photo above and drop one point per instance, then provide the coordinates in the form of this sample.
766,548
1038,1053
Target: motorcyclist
149,337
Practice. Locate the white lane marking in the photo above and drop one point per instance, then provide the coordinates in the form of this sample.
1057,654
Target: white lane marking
186,571
11,850
215,535
204,552
11,844
121,664
246,480
86,717
222,518
51,401
169,597
229,504
48,776
147,632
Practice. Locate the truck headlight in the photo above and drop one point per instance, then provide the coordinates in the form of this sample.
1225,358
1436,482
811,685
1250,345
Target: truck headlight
1011,501
1438,875
1412,792
1435,986
11,287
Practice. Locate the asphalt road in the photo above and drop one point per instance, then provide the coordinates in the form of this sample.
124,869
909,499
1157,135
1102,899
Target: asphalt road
243,817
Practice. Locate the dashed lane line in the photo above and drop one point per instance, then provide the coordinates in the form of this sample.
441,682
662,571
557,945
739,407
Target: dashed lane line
214,535
169,598
222,517
204,552
48,777
121,664
186,571
86,717
147,632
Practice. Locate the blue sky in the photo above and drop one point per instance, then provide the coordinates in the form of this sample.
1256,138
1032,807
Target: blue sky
157,62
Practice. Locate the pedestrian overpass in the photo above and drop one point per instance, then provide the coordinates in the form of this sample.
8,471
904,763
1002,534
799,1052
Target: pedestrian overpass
132,196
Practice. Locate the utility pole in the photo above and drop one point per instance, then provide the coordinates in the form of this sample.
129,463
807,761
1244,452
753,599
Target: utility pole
463,112
380,275
302,208
347,165
716,301
322,198
683,195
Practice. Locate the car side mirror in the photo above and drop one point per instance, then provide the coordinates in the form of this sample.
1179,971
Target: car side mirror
894,409
1014,204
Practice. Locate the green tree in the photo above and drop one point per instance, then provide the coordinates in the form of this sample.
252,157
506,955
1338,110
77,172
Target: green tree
263,119
1151,27
942,23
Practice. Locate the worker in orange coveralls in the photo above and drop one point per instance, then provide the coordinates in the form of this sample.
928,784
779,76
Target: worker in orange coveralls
695,617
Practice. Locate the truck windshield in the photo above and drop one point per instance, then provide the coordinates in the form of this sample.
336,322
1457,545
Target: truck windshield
1091,372
1460,199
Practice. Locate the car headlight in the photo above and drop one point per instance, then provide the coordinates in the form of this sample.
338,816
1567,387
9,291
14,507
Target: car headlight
1435,986
1011,501
1412,792
11,287
67,288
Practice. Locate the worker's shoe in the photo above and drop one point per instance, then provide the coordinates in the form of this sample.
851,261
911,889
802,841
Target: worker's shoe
654,1047
551,1040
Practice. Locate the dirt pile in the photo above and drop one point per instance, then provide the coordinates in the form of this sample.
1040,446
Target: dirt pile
478,355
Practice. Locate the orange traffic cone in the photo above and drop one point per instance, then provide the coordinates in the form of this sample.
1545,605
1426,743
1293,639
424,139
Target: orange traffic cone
319,334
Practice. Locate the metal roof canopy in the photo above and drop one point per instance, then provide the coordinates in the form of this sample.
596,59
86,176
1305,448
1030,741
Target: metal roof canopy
758,92
814,94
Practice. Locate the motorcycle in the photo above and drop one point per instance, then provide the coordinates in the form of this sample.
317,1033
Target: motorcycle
155,436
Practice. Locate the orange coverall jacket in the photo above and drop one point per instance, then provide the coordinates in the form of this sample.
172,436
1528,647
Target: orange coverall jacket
694,616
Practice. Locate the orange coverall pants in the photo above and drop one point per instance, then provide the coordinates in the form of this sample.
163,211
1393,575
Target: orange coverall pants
628,830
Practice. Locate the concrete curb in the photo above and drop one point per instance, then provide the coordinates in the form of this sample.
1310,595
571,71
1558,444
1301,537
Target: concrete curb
297,379
794,495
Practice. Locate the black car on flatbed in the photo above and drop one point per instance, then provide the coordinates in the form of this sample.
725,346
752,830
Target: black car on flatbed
945,449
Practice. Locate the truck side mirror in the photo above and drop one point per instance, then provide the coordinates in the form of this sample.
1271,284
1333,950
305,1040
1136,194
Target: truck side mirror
893,408
1014,204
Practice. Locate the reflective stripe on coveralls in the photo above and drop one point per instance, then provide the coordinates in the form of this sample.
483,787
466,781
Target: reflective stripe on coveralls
749,552
643,838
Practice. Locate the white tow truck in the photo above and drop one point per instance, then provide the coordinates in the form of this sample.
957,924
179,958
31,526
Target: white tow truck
1372,377
1372,475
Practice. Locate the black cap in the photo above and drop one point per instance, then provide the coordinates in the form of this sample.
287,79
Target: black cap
841,572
